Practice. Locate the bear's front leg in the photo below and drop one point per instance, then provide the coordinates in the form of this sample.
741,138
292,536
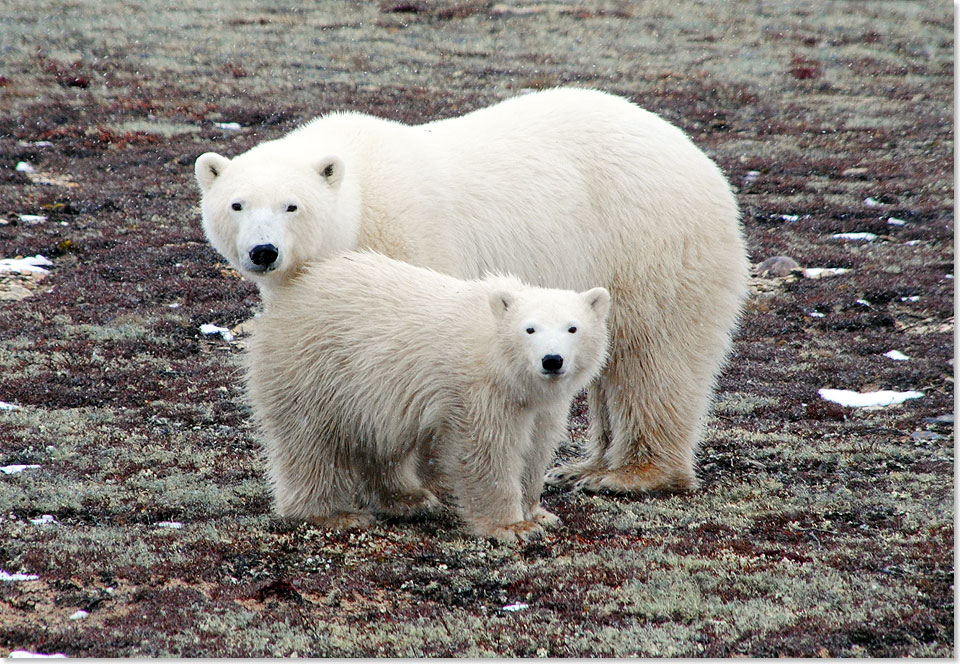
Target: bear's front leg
548,431
486,475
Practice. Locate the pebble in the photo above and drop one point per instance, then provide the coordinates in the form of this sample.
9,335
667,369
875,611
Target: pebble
777,266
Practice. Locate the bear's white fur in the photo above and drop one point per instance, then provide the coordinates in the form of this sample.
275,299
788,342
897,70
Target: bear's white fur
564,188
369,377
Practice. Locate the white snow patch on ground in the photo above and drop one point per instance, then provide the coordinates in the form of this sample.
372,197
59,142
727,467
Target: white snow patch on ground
36,263
893,221
32,218
168,524
896,355
867,399
80,615
211,329
517,606
17,468
790,217
7,576
8,406
823,272
228,126
25,167
44,520
855,237
872,202
26,654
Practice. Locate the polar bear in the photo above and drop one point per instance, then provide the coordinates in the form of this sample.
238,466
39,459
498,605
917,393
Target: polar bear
565,188
370,377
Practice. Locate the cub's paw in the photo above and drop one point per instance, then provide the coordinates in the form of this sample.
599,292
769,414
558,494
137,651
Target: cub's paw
342,520
544,517
408,503
511,533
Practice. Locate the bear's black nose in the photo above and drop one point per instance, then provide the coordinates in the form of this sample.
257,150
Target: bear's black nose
552,363
264,254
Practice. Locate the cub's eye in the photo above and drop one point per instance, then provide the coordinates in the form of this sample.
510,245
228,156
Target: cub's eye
237,206
572,330
291,208
530,330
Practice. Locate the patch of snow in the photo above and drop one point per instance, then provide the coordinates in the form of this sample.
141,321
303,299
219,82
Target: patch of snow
8,406
816,314
211,329
17,468
790,217
517,606
893,221
80,615
25,167
910,298
169,524
43,520
751,177
867,399
26,654
872,202
896,355
7,576
823,272
856,237
862,302
32,218
228,126
948,276
36,263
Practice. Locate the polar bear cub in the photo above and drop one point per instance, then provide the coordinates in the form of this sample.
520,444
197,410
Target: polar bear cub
371,378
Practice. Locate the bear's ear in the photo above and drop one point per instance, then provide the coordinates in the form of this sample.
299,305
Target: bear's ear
331,169
598,299
500,301
209,166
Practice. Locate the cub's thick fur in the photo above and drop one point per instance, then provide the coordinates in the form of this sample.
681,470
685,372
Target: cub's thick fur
364,372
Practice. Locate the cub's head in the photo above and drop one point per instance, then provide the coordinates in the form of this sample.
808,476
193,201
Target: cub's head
268,212
554,335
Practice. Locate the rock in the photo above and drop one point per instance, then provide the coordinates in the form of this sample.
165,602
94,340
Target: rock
777,266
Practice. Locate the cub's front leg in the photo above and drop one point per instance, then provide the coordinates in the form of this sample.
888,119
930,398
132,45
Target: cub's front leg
485,472
548,431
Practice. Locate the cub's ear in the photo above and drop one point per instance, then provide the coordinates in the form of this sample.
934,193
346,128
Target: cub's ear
500,301
208,168
331,169
598,299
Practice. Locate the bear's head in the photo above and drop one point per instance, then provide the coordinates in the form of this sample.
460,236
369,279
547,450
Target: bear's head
555,336
268,212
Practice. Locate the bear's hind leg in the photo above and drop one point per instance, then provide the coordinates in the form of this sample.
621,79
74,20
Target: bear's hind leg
653,423
597,443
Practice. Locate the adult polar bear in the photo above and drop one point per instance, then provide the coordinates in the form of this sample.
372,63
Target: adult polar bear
564,188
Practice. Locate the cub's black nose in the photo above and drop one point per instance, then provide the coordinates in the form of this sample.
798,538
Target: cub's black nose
552,363
264,254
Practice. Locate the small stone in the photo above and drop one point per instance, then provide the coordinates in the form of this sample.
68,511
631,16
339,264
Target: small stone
777,266
926,435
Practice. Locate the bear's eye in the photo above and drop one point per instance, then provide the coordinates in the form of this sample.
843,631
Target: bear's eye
291,208
572,330
237,206
530,330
